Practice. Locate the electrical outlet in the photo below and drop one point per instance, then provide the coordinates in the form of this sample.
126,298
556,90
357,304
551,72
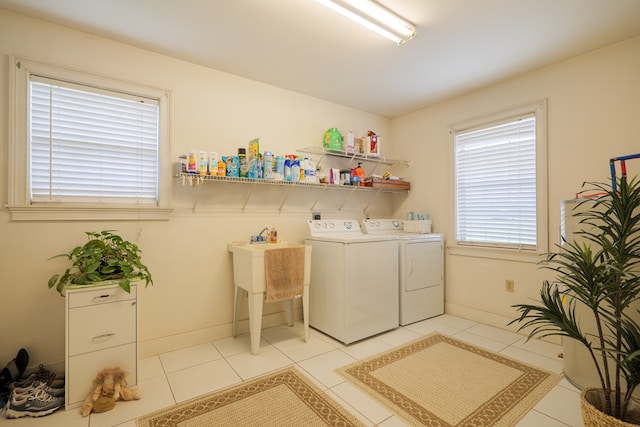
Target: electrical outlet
316,215
509,285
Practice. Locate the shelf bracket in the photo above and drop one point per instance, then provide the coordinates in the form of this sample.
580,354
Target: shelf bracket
374,168
320,160
347,198
195,181
373,199
246,200
318,198
286,197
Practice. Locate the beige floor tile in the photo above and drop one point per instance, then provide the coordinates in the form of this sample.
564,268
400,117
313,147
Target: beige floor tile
249,366
191,356
201,379
323,367
372,410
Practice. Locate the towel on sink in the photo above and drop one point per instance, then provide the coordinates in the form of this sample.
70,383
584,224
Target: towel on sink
284,273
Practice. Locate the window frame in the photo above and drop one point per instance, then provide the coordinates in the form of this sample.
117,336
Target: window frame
19,205
539,110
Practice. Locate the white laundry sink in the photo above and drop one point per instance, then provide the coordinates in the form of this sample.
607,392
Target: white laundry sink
248,263
249,275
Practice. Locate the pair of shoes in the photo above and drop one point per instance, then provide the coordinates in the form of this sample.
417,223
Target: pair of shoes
39,385
34,403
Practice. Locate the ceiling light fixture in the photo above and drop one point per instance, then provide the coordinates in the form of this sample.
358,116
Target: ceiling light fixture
375,17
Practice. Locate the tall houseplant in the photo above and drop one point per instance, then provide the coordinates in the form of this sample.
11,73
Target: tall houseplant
105,257
602,274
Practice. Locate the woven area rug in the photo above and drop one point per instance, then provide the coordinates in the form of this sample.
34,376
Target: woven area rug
439,381
284,398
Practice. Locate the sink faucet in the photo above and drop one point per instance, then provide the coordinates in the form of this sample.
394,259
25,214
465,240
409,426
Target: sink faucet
259,238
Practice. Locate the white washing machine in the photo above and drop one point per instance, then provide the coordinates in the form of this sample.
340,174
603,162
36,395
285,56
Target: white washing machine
421,269
353,292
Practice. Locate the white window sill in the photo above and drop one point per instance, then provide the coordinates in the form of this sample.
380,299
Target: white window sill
88,213
496,253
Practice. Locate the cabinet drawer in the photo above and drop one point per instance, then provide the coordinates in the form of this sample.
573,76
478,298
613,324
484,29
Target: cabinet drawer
82,370
99,295
97,327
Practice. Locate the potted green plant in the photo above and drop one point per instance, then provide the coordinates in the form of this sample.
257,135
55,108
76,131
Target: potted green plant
105,257
600,273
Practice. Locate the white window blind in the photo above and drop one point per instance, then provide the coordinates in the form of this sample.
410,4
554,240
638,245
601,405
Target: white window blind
89,145
495,171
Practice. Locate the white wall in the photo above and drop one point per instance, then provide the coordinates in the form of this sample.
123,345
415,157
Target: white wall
191,301
593,111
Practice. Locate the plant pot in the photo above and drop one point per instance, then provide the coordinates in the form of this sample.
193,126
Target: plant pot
592,406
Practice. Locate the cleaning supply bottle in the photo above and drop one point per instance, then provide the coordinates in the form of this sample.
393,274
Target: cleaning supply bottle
287,168
242,158
357,175
273,235
309,171
280,166
222,168
203,162
301,162
267,164
295,171
192,161
213,163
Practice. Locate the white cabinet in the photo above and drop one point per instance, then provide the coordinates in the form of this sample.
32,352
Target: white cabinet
101,332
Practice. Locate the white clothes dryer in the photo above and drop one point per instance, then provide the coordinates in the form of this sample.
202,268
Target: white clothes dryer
421,269
353,292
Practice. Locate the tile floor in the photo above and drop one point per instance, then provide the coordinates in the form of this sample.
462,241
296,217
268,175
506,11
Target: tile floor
177,376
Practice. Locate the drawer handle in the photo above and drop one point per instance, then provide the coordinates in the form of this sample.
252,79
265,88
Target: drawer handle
102,297
103,337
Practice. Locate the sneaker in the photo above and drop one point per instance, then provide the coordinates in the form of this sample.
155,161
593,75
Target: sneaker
36,403
39,385
42,374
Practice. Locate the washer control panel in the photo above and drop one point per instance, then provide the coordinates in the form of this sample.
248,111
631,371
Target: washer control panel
382,225
334,226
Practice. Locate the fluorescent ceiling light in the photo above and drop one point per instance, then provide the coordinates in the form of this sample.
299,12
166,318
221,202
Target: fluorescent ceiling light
374,17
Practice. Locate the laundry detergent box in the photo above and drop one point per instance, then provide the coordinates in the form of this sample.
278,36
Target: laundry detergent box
253,154
233,165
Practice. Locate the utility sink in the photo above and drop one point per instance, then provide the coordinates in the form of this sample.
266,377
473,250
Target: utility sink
249,276
248,263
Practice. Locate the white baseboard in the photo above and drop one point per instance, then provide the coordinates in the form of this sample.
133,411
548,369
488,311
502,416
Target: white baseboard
487,318
179,341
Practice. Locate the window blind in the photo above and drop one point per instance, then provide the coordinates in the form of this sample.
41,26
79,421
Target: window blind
89,145
495,170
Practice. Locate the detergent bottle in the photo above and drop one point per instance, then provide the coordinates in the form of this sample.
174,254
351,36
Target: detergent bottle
287,168
295,170
332,139
357,175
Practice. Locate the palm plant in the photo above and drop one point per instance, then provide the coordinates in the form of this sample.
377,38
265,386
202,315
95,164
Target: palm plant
601,272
